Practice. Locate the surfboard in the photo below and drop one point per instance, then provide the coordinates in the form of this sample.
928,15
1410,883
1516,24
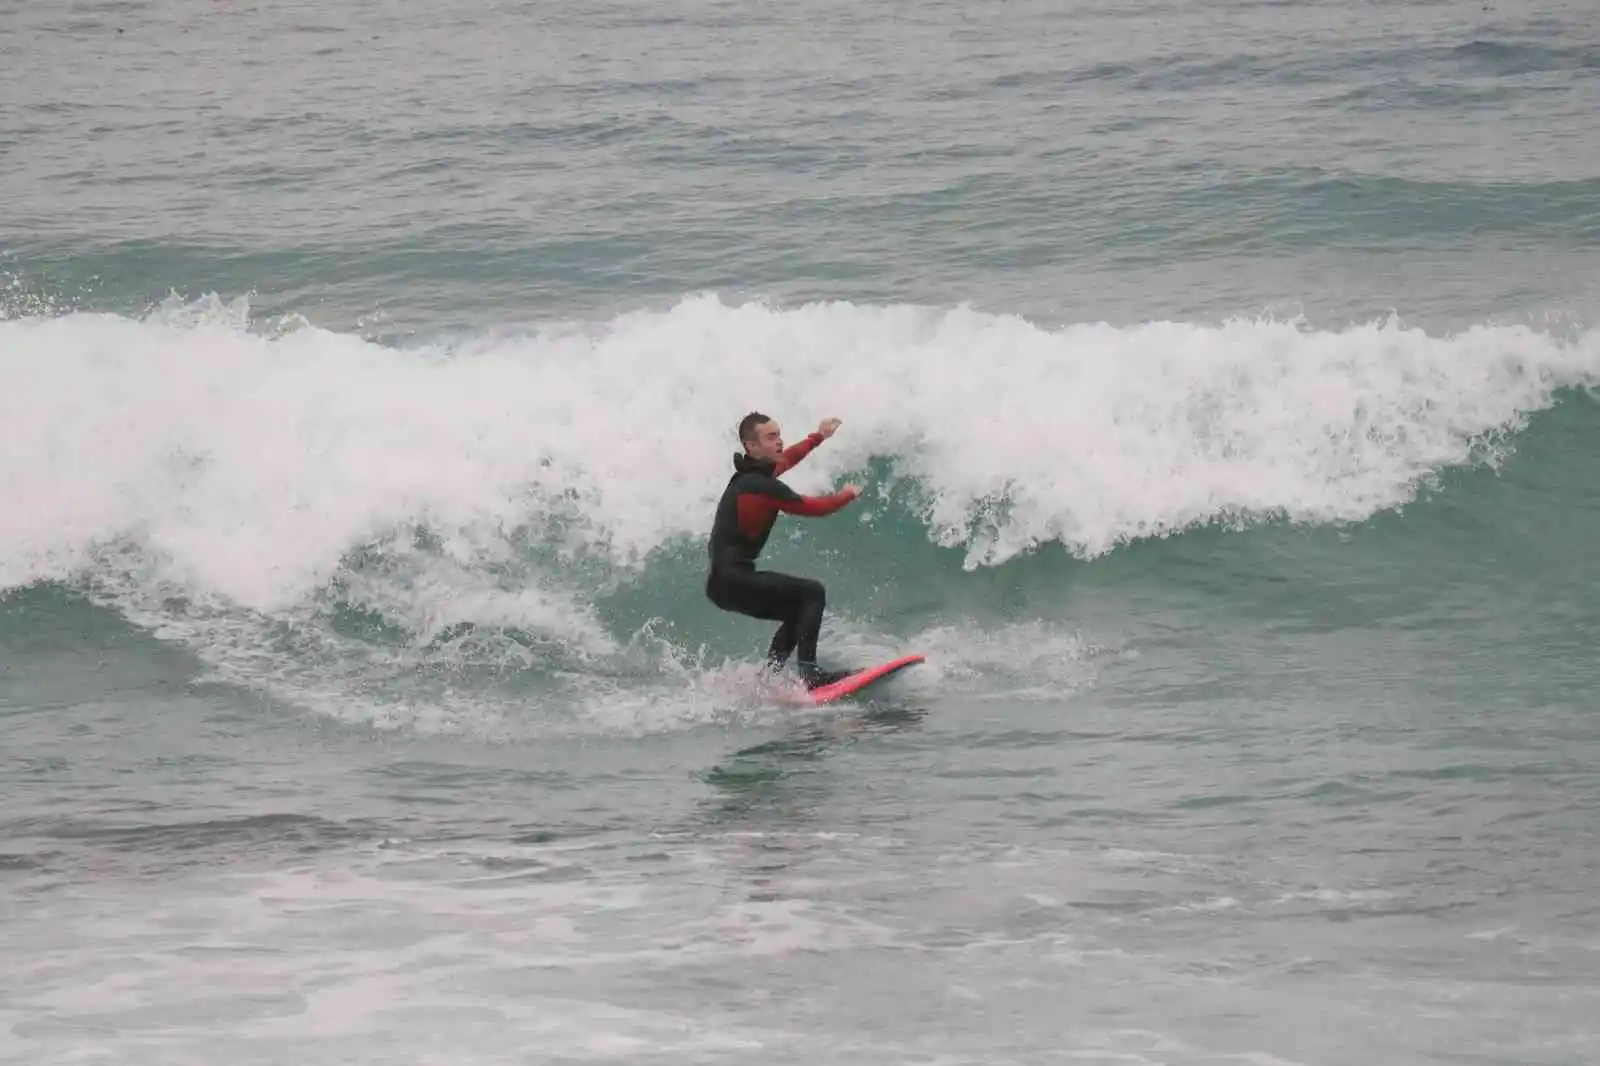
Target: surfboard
855,682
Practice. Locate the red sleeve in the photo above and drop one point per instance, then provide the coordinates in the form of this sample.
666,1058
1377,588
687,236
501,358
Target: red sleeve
796,452
815,506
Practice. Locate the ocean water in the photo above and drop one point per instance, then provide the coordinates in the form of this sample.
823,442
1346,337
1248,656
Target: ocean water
1223,381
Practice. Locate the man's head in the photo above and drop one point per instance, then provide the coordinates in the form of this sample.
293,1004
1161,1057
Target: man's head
761,437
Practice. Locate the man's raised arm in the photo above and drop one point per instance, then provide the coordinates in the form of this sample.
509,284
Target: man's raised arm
792,455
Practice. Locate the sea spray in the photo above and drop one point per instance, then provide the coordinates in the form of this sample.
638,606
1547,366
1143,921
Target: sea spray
236,487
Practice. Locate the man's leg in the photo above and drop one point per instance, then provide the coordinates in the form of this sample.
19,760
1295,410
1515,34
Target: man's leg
804,600
812,598
797,602
783,642
757,594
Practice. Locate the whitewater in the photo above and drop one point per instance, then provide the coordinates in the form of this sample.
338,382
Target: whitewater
505,481
251,462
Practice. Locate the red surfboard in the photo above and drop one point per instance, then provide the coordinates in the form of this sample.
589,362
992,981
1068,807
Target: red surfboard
852,683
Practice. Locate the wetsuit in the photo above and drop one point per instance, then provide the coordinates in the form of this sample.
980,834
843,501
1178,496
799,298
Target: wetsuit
749,506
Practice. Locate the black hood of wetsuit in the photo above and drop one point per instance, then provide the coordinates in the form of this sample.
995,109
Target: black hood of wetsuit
744,463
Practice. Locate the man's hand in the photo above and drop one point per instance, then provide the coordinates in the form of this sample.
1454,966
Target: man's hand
827,427
852,490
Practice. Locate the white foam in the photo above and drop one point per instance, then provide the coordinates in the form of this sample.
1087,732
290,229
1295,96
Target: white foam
253,463
187,454
1054,661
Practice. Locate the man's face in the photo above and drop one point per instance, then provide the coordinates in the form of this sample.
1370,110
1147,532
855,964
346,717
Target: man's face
768,442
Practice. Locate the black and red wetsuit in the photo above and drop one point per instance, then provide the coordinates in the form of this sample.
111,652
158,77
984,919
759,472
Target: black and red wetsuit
749,507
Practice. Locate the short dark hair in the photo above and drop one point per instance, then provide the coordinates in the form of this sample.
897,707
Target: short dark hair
748,424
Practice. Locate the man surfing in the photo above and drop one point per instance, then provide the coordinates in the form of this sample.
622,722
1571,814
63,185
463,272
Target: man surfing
745,515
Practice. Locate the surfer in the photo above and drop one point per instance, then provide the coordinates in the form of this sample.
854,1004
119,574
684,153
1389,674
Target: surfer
745,515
